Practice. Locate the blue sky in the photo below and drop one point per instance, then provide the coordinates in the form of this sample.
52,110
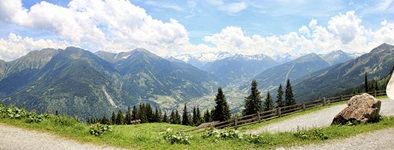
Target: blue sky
173,27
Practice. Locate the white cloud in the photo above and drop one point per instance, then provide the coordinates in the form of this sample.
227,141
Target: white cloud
385,33
112,25
344,32
313,23
346,26
16,46
234,8
304,30
231,8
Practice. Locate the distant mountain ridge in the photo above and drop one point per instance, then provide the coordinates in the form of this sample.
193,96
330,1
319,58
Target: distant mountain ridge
79,83
336,57
330,81
292,70
239,68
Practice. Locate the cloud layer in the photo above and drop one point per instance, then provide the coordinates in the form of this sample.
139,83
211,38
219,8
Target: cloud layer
119,25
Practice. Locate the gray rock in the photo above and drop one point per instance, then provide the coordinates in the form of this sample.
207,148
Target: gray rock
360,108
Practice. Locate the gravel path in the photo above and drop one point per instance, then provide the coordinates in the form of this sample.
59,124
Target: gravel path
320,118
12,138
381,139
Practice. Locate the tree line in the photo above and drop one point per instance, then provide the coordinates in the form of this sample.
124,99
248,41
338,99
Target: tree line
221,112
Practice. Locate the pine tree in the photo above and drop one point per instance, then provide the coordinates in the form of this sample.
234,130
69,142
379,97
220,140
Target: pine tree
194,116
177,117
279,97
165,117
156,115
149,112
185,117
221,110
159,116
207,116
289,96
104,120
119,118
253,102
113,118
127,119
366,82
172,117
142,114
134,115
198,118
269,104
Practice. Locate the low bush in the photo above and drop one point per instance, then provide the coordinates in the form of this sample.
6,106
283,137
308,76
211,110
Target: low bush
176,137
99,129
256,139
314,134
222,133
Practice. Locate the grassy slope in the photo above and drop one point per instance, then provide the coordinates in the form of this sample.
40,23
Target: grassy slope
148,136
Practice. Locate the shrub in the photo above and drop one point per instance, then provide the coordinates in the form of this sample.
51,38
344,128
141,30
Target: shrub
314,134
176,137
99,129
256,139
222,134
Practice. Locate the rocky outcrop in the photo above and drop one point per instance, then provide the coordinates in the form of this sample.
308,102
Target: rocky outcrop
361,108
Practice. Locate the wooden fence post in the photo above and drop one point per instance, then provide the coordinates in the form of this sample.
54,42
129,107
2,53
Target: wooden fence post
303,106
258,115
279,112
341,98
374,93
235,122
324,101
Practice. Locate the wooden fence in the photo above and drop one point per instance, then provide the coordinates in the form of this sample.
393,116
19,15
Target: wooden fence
279,112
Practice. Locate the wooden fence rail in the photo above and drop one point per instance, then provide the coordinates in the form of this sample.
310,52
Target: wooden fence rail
287,110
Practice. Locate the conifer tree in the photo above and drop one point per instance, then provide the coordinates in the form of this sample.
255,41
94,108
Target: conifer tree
113,118
134,115
194,116
159,116
253,102
142,113
366,82
149,112
207,116
289,96
119,118
177,117
185,117
156,115
127,119
221,110
172,117
198,118
279,97
104,120
269,104
165,117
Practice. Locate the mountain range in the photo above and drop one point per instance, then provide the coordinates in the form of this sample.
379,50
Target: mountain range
335,79
303,66
239,68
80,83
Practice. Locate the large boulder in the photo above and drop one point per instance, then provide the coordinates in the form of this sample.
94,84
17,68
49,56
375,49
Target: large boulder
360,108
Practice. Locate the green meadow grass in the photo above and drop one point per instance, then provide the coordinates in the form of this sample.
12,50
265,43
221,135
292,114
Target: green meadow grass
150,135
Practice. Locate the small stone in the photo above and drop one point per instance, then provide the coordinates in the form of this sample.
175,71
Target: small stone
361,108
